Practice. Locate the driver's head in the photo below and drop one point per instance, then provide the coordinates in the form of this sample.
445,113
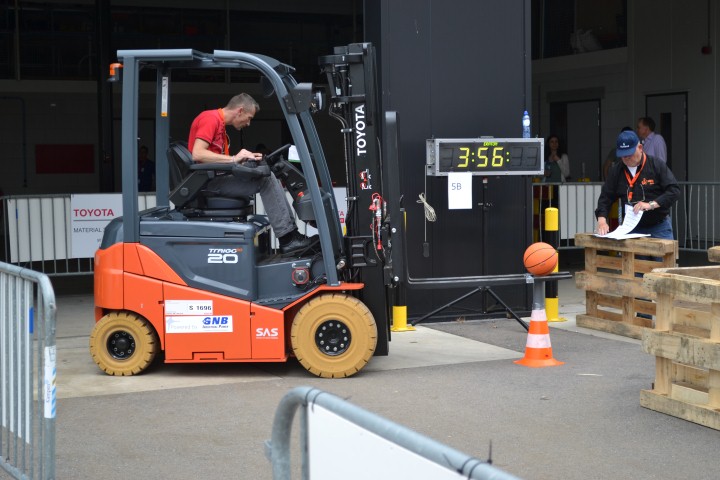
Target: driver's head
240,110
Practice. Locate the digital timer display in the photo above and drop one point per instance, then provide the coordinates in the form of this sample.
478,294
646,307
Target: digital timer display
485,156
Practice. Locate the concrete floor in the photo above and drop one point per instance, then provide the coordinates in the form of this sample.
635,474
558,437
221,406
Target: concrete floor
454,382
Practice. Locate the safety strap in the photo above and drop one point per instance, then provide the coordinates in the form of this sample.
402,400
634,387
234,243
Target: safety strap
226,139
631,181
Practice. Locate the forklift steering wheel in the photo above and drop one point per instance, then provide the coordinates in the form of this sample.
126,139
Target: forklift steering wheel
270,157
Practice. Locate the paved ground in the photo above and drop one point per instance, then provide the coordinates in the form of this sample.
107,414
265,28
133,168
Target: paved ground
455,382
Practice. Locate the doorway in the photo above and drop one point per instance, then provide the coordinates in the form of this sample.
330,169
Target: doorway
577,123
671,121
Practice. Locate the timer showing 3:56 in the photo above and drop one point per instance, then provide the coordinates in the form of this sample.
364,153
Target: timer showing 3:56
485,156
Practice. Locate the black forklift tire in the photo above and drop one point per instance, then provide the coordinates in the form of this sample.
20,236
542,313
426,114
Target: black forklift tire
123,343
334,335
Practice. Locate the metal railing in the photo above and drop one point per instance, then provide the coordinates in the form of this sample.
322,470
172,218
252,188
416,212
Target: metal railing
27,373
333,431
695,216
37,230
37,233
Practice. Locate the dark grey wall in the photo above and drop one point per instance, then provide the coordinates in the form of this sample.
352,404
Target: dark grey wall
457,68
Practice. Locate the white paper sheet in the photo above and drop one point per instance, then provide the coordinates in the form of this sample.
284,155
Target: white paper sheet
630,221
459,190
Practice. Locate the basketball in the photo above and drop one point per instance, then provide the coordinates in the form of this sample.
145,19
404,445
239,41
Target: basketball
540,258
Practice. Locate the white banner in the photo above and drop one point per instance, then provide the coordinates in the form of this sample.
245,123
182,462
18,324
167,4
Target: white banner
331,437
89,214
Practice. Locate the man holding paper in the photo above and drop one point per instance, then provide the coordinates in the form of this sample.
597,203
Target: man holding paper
643,182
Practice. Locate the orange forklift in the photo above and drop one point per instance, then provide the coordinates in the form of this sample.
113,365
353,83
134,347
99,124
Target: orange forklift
195,277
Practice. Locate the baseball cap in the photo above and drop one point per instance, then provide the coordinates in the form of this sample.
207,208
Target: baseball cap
627,142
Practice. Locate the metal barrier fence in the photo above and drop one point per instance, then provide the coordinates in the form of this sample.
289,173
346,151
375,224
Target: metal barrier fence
695,216
37,233
333,431
27,373
37,230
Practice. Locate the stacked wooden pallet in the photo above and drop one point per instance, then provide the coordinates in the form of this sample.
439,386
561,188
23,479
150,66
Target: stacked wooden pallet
613,283
686,344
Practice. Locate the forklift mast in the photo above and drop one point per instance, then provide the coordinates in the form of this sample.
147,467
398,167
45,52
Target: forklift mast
353,101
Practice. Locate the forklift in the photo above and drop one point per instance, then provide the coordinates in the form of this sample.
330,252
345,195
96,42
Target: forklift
195,277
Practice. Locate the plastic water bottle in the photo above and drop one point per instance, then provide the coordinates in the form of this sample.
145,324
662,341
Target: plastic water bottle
526,125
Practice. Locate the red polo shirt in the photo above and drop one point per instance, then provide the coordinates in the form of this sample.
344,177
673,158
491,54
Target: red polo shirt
208,126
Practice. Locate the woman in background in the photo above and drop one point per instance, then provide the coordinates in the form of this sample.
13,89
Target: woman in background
557,163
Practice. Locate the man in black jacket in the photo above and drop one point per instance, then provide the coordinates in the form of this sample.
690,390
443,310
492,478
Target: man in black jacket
642,181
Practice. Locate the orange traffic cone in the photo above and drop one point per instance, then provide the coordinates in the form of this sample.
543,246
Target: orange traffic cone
538,351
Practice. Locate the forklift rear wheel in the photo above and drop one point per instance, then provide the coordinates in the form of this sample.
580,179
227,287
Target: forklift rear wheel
334,335
123,343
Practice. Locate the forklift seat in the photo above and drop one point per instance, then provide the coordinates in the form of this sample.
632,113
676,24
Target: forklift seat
188,192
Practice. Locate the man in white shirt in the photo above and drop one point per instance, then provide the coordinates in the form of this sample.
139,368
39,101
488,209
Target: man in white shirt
653,143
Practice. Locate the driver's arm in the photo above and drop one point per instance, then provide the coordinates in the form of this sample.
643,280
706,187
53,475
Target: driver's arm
201,153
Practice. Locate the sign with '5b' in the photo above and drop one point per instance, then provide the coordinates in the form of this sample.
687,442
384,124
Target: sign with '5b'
459,190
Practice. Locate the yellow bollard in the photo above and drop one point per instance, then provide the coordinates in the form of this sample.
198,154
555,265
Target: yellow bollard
552,304
399,321
552,310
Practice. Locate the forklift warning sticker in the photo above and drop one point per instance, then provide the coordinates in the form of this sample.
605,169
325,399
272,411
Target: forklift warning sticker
188,307
198,324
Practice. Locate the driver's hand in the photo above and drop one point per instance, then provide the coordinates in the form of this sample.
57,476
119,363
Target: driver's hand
244,155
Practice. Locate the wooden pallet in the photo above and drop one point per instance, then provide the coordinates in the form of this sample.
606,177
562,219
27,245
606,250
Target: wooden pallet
714,254
686,344
613,284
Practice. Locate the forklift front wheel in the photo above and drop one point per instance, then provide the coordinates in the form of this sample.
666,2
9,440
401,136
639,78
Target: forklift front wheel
334,335
123,343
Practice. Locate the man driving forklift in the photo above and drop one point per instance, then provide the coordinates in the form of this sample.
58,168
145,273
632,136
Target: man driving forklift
209,143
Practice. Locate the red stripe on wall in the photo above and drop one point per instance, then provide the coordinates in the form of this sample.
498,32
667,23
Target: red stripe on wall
64,159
